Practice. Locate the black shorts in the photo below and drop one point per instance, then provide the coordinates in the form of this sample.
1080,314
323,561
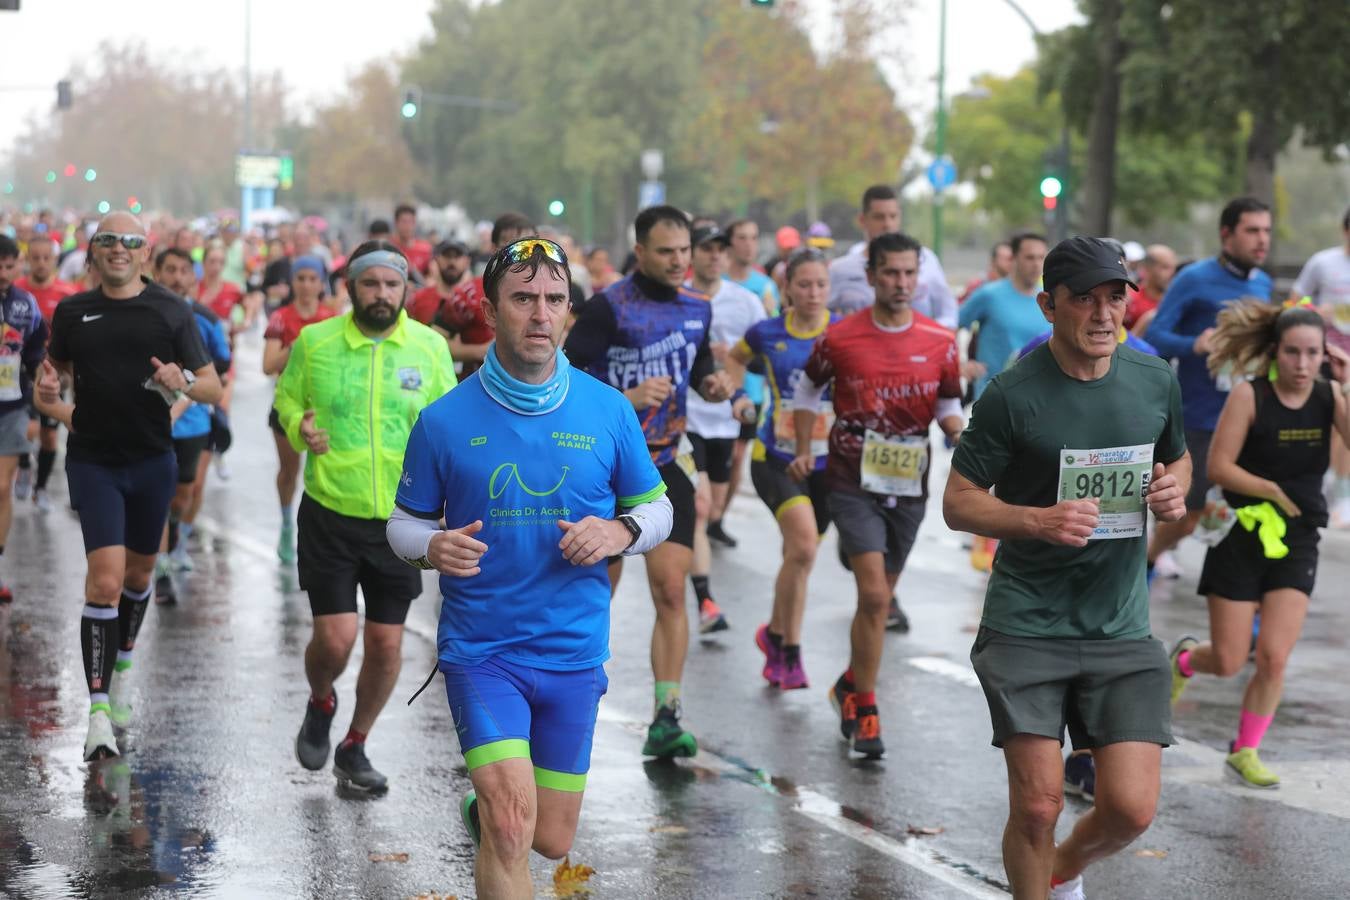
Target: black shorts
750,429
713,455
870,523
680,492
221,437
274,422
336,553
189,451
123,506
1238,569
1197,442
780,492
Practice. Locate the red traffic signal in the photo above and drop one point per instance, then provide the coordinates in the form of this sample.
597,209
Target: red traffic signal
1049,202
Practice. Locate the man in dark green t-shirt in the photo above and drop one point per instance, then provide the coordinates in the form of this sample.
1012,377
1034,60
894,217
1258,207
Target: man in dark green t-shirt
1079,441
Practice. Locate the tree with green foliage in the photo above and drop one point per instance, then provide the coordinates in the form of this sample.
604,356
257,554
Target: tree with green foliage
1000,132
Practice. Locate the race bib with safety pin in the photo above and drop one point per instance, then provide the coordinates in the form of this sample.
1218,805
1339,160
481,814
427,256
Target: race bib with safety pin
1118,477
785,430
894,466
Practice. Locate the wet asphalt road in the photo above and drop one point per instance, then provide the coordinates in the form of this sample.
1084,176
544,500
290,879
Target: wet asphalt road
209,801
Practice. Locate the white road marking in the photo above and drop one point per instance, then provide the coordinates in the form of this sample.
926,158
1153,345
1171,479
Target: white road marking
946,668
829,813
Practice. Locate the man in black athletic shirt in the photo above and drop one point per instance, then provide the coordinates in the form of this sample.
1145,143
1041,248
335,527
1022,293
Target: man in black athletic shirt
133,349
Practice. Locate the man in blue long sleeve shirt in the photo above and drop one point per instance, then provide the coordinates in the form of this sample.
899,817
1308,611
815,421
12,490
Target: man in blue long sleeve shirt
1182,329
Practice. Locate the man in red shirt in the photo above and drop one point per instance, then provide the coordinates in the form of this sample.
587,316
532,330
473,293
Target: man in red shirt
893,371
1155,274
461,315
48,290
452,265
405,226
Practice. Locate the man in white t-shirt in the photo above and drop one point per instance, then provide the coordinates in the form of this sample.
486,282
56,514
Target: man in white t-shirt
1325,279
849,290
714,427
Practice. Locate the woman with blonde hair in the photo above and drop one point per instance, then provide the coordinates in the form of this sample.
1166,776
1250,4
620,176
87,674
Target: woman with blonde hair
1270,451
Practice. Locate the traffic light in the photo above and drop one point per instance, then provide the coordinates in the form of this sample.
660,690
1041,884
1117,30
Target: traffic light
760,4
556,208
286,173
412,102
90,175
63,95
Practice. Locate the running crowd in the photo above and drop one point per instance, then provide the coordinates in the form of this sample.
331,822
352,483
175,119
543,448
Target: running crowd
514,430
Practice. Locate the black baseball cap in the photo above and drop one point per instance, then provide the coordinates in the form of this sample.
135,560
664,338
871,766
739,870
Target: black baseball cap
708,233
452,245
1082,263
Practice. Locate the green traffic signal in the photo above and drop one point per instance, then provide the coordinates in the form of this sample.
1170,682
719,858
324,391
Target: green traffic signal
1051,186
409,109
556,208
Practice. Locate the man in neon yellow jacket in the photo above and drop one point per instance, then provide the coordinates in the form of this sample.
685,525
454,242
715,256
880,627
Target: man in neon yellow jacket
350,393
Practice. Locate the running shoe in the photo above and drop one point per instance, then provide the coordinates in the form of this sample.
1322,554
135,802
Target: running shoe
717,533
710,617
1069,890
41,500
867,734
353,770
666,739
6,595
164,590
1179,681
844,701
1080,775
1166,566
179,557
468,814
311,744
896,620
23,484
1247,766
794,674
119,699
222,469
100,743
286,543
773,656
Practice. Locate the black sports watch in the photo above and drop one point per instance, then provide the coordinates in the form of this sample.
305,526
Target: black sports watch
634,529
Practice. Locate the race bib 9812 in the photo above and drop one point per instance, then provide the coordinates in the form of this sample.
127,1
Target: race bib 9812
1118,477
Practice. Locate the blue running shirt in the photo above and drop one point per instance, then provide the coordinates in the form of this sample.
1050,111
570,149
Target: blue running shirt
470,458
784,353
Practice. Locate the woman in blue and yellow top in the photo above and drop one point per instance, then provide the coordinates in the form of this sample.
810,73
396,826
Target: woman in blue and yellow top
795,495
1270,451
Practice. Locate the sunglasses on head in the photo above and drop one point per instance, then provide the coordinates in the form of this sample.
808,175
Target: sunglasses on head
112,238
522,250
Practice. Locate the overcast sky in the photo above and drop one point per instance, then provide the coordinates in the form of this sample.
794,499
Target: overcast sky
317,44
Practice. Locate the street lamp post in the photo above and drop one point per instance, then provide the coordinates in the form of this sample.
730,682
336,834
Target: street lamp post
941,142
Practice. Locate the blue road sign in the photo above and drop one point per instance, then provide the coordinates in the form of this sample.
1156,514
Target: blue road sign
651,193
942,173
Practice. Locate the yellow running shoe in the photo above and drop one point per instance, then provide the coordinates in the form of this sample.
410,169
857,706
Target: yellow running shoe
1248,766
1178,680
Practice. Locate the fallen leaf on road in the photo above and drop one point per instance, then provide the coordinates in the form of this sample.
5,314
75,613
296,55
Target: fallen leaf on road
1152,854
569,879
388,857
925,830
668,829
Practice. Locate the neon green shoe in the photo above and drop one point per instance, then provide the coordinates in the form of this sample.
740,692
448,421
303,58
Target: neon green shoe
666,739
1248,766
1179,681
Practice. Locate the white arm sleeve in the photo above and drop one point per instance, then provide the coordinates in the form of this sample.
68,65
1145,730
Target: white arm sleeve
410,536
948,406
655,518
806,394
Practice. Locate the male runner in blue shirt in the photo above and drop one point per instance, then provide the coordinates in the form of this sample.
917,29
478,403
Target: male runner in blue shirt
526,462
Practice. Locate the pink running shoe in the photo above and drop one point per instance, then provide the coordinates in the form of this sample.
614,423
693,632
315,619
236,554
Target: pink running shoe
773,657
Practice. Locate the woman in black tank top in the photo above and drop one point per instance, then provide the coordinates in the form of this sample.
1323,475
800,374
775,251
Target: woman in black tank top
1270,451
